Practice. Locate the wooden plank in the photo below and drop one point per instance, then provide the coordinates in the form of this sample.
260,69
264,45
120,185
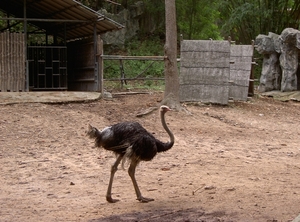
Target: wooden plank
3,89
100,65
5,52
117,57
204,46
241,50
203,76
23,49
7,62
204,93
1,63
18,57
240,71
205,59
12,62
241,91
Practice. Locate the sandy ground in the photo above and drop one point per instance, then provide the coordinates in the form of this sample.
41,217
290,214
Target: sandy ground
229,163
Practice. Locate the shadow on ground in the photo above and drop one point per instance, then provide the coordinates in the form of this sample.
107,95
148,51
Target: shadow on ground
168,215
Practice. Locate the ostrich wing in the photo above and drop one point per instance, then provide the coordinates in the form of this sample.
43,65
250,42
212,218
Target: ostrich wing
124,144
119,147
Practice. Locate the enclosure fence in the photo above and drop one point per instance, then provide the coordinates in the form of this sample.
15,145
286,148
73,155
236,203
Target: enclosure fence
123,79
12,62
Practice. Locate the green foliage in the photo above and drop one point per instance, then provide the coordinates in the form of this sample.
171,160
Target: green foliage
11,25
244,20
197,19
138,68
150,46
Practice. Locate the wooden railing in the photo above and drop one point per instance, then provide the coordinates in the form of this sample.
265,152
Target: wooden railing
123,77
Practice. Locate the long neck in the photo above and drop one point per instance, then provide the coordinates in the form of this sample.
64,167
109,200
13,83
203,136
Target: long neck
172,139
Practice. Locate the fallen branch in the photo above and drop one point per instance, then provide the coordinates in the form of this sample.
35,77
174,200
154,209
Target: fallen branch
32,161
194,191
147,111
129,93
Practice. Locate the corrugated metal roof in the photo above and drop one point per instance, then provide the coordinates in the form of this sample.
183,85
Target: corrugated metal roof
55,15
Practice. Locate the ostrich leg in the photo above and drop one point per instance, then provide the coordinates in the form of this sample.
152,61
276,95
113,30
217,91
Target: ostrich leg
114,169
131,172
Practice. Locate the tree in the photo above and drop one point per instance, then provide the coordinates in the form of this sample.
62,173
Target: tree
198,19
171,95
244,20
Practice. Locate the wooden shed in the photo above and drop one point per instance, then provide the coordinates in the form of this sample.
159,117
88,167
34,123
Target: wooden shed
59,47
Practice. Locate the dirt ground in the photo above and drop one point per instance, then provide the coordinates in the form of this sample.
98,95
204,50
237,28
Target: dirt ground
229,163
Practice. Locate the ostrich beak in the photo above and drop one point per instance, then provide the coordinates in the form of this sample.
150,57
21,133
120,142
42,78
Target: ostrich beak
169,109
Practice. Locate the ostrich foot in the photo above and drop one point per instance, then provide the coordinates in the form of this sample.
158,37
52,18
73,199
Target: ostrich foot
145,199
111,200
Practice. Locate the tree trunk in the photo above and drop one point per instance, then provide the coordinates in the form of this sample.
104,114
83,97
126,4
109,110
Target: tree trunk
171,95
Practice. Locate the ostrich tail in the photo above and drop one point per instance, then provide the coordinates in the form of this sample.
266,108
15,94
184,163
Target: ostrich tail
92,132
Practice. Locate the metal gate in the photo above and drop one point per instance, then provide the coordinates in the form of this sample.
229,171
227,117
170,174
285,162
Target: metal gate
47,67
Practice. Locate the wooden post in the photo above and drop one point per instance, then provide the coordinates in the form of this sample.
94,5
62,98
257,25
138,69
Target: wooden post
100,65
171,95
1,57
12,60
6,52
251,83
25,49
122,73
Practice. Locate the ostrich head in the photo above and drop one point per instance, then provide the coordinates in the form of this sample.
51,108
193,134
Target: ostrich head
91,132
164,109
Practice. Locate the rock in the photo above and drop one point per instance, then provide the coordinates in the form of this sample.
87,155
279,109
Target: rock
298,41
264,44
280,61
276,41
270,77
289,59
127,17
107,95
289,35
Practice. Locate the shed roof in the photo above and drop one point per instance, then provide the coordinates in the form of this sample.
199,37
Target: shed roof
56,15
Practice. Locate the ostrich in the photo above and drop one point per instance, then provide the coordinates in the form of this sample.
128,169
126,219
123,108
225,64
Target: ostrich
130,141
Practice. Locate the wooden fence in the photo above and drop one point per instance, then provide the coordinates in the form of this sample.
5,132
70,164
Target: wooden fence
12,62
214,71
204,71
241,57
123,79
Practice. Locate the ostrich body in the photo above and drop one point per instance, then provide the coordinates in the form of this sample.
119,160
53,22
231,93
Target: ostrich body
130,141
